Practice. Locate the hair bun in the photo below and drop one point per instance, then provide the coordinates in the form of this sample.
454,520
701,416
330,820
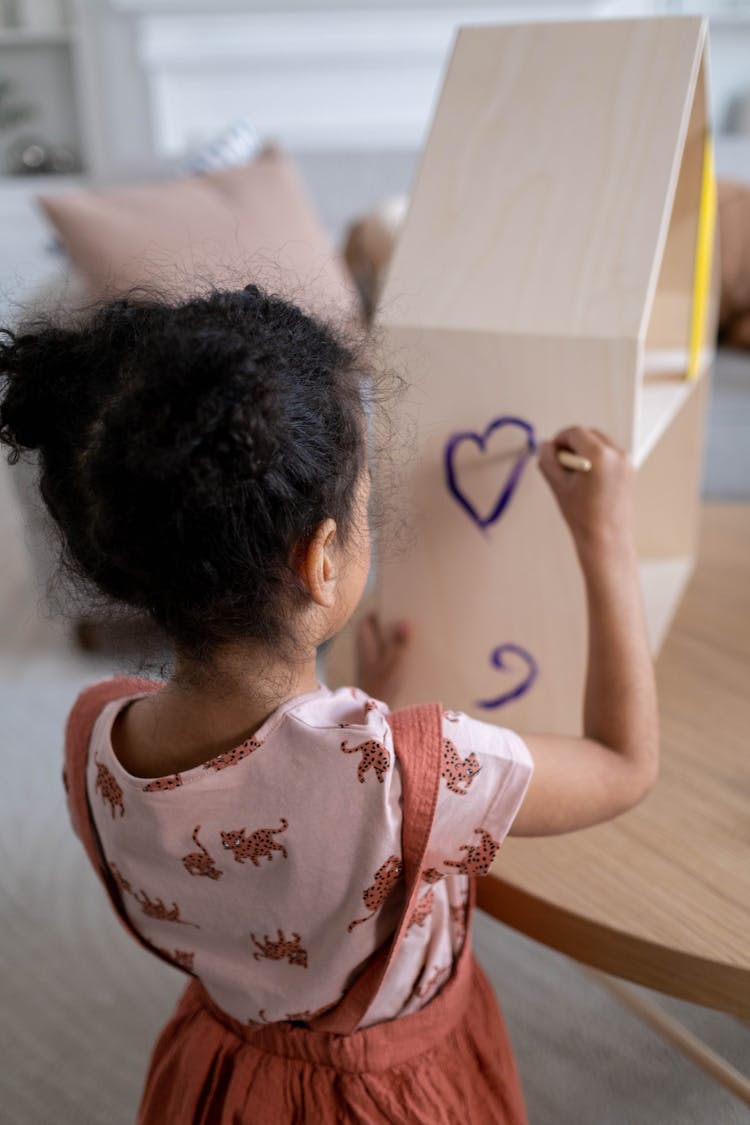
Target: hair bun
216,438
188,448
36,393
250,435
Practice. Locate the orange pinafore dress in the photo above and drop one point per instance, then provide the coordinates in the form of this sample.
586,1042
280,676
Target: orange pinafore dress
449,1062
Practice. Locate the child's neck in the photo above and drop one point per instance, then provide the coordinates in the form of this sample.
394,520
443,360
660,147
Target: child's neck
191,720
247,686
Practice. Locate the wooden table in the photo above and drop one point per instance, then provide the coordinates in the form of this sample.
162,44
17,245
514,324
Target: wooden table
661,895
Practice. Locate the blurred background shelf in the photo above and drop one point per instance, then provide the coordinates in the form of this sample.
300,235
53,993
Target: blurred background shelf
40,87
129,83
26,37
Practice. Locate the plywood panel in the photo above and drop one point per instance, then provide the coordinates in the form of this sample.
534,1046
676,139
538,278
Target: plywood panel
543,198
556,203
663,583
659,401
469,590
668,483
672,309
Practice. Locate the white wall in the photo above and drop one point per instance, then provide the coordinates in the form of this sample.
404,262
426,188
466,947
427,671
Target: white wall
163,75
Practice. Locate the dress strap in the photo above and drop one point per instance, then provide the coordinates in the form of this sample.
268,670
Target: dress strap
417,737
78,731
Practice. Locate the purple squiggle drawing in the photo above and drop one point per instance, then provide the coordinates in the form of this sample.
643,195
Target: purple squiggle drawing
496,659
513,478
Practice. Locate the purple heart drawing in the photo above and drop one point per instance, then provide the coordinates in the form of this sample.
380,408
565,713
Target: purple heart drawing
497,661
511,482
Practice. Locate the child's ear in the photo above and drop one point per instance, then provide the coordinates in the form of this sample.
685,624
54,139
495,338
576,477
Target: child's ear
316,564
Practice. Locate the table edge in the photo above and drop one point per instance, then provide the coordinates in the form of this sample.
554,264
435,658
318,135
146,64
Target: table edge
674,972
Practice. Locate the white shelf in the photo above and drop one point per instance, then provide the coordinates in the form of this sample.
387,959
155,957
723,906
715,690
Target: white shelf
663,583
659,401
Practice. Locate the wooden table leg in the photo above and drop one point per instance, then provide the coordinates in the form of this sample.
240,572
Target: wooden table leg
673,1031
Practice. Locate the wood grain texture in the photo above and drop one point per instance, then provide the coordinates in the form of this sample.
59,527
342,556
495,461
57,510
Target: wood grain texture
661,895
667,485
469,590
543,199
549,243
671,313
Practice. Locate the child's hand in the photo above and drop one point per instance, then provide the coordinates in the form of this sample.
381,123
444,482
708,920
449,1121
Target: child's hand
582,781
380,657
596,505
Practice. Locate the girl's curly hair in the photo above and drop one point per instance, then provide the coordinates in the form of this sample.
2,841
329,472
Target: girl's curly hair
186,450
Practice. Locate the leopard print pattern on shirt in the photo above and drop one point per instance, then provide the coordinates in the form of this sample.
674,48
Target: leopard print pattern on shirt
422,910
432,875
458,915
457,771
152,908
433,983
161,784
180,957
307,1016
374,756
232,757
155,908
479,856
120,879
385,880
184,958
292,1017
281,949
202,862
107,784
257,845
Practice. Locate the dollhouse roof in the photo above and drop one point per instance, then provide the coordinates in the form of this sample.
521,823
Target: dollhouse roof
544,195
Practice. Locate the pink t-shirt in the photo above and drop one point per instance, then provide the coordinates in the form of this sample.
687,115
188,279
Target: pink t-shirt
273,870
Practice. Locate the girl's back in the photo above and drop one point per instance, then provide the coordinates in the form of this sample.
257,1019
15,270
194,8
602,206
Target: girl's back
272,870
305,856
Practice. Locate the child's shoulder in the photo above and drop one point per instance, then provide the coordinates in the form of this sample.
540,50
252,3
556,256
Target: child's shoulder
350,708
342,709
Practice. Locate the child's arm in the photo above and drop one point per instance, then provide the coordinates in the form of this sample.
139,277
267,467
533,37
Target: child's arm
581,781
577,781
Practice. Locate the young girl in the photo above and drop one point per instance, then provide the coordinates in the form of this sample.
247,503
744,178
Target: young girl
304,855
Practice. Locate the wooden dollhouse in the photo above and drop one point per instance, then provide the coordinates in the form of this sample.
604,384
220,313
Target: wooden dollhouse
554,269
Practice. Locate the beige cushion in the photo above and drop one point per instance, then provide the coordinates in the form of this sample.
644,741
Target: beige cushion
224,228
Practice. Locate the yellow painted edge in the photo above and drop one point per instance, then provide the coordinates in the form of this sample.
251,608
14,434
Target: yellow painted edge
703,258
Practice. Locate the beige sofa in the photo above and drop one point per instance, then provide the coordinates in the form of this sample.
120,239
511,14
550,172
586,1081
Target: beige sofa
225,227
